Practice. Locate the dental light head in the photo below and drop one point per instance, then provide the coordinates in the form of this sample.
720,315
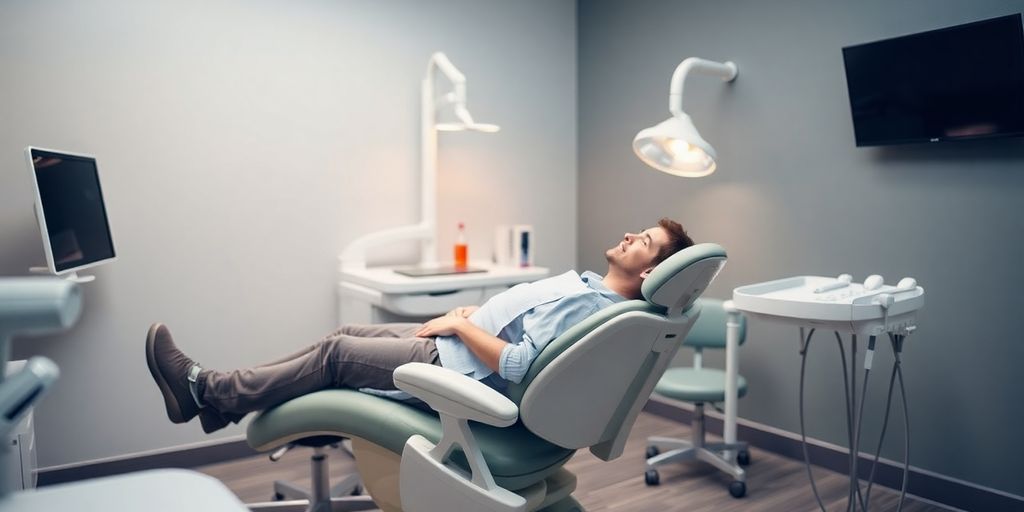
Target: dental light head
19,392
674,146
37,305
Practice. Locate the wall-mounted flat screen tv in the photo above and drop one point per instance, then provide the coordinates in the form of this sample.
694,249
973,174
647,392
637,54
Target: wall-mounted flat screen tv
962,82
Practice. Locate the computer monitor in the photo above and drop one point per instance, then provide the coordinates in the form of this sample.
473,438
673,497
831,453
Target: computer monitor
70,210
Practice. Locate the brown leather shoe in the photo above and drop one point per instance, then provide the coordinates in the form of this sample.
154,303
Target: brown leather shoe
169,368
213,420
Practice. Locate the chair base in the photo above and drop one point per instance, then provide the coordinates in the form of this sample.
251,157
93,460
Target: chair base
289,497
347,504
284,491
568,504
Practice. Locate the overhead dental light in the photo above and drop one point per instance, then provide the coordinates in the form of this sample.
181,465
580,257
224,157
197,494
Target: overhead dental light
674,146
457,118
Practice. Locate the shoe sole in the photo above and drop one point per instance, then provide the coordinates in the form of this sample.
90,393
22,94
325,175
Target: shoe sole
170,401
210,421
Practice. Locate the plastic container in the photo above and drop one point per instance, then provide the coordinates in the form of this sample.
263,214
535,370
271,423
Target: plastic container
461,249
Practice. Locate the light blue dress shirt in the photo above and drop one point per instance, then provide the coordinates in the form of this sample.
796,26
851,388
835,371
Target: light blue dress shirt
543,310
527,316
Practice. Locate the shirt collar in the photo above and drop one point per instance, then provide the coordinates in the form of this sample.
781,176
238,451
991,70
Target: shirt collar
596,283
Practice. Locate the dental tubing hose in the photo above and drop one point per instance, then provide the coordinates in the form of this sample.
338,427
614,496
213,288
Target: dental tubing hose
854,431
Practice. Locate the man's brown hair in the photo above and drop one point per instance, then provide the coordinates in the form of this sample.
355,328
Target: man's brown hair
677,239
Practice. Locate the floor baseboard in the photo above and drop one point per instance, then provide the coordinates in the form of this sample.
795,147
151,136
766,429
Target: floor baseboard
188,457
933,487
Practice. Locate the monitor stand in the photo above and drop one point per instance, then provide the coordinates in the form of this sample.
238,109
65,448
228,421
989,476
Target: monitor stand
73,276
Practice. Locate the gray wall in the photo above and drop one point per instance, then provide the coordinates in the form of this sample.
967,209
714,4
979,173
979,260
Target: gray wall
794,196
242,145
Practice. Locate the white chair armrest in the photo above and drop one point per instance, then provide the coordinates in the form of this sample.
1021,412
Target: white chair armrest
452,393
429,480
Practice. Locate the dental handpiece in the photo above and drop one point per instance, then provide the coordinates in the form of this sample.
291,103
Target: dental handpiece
842,281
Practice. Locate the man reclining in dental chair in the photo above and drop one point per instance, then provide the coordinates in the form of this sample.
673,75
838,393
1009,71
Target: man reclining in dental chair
495,343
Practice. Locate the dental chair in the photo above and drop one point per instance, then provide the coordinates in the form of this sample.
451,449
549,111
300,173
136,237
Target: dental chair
484,451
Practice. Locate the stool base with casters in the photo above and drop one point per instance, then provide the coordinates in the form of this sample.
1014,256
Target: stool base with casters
342,497
679,450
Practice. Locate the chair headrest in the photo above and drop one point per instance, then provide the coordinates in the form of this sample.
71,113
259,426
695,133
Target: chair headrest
676,282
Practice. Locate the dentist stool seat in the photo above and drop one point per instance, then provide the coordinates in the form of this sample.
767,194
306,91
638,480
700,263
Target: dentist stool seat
483,451
700,385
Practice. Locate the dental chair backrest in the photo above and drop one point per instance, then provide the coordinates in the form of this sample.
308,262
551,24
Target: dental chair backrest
588,385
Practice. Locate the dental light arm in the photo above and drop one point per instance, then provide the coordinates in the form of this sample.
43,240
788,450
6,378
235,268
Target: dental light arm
441,62
354,255
30,306
726,71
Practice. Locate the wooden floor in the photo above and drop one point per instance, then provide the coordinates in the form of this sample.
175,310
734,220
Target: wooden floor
774,483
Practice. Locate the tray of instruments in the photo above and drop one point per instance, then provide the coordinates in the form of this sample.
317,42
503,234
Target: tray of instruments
851,308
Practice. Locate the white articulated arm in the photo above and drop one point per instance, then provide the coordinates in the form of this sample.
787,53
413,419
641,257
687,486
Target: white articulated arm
458,80
429,481
453,74
726,71
354,255
443,63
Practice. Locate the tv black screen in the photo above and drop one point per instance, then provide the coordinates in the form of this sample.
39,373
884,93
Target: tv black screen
962,82
75,225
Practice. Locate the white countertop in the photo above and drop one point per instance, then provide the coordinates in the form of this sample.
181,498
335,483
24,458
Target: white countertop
386,280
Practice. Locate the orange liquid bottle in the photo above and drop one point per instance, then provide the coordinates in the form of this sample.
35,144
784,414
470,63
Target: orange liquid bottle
461,249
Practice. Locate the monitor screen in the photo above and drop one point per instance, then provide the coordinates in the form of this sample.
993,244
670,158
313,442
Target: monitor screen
962,82
72,216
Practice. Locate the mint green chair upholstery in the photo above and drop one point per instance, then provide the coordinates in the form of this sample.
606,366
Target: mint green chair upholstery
701,385
479,450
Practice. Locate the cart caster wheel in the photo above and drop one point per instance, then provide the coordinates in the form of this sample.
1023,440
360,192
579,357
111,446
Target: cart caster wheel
357,491
278,497
652,451
651,477
743,458
738,489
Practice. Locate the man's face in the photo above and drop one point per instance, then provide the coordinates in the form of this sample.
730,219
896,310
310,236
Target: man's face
636,252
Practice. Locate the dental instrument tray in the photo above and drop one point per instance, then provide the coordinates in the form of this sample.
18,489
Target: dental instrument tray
824,302
437,271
